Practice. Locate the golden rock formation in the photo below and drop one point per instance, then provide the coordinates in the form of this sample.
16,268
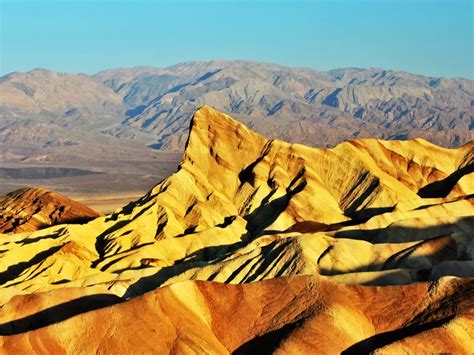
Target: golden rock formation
30,209
295,315
242,208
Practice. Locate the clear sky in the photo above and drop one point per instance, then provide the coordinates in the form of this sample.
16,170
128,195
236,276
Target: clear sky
430,37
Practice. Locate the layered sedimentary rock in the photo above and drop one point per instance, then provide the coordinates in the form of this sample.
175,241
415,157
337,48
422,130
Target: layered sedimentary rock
300,314
242,208
30,209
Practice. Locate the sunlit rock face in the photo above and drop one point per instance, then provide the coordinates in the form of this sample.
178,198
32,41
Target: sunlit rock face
294,239
31,209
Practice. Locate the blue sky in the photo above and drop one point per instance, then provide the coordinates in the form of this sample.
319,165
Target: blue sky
430,37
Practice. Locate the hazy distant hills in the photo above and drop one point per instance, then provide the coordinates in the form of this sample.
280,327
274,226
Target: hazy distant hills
48,108
154,105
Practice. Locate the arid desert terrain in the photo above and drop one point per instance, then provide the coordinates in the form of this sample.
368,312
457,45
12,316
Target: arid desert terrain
251,245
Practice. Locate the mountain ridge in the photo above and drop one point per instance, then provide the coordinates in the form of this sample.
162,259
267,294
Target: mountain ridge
274,200
153,106
293,241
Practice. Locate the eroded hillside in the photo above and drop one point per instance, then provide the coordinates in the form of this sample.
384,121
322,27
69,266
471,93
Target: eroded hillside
45,109
242,208
299,314
31,209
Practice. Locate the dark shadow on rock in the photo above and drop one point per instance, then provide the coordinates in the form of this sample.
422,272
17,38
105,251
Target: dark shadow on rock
407,234
356,217
374,184
55,235
58,313
377,341
200,258
267,343
273,254
365,214
332,99
448,251
460,198
455,301
312,227
101,241
442,188
206,76
13,271
227,221
247,174
125,254
267,213
128,209
134,112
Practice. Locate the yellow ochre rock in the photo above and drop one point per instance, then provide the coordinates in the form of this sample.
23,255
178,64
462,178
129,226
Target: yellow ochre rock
243,208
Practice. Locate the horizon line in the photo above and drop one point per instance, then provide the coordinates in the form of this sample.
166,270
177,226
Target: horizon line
2,75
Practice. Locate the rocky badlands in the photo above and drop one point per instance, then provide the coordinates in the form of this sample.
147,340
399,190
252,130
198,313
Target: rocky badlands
252,246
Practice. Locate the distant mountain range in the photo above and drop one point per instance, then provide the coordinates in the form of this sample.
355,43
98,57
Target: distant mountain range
41,108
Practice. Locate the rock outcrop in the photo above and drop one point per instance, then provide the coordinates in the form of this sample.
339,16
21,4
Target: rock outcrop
31,209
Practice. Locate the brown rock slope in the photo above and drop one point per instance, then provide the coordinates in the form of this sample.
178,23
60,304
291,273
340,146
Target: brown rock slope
30,209
286,315
242,208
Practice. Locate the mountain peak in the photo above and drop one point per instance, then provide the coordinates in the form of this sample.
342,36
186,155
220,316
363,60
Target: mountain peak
215,137
209,119
210,128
